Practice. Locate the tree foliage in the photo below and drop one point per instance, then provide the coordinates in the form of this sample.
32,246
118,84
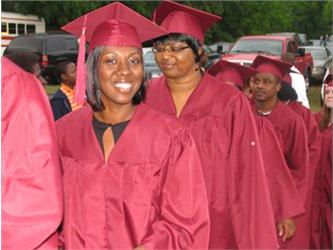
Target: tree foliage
239,17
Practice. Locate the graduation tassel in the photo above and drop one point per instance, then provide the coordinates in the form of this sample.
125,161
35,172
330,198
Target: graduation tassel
80,86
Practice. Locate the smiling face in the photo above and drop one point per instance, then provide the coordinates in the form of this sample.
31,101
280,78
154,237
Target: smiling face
175,59
265,86
120,73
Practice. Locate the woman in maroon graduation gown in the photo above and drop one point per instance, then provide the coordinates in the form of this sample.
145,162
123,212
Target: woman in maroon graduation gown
223,128
322,194
132,176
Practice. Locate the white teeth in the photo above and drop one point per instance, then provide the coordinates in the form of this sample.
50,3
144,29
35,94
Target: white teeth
123,85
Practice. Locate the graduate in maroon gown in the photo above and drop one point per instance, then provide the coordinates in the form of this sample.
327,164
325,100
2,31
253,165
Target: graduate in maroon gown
288,96
286,200
289,128
223,128
31,190
132,176
321,237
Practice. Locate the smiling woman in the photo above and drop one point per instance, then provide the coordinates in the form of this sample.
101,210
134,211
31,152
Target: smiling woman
132,177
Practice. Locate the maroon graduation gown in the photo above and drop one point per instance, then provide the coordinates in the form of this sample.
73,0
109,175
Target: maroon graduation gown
321,237
285,197
149,192
302,237
223,127
31,179
291,132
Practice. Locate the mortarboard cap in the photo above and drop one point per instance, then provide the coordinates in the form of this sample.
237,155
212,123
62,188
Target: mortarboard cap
275,67
231,72
114,25
178,18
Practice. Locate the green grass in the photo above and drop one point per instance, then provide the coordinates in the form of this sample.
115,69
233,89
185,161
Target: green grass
51,89
314,97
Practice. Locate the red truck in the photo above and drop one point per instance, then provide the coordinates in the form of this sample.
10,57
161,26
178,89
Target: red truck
247,48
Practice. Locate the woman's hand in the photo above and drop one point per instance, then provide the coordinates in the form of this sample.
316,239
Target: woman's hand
286,229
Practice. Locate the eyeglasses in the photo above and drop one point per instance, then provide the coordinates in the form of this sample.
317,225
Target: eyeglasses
170,49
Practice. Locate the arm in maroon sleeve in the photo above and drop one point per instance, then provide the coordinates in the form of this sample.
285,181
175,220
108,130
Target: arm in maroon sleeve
31,181
298,155
184,218
249,198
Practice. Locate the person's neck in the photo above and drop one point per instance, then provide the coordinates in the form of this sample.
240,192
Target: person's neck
266,106
113,114
186,84
68,85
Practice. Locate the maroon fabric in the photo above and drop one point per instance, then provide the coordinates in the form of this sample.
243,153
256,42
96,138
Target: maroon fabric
149,192
30,179
321,237
178,18
285,197
220,120
292,134
275,67
302,236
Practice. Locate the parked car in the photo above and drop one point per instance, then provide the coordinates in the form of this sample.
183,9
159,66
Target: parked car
295,36
213,56
151,68
52,48
320,55
220,47
247,48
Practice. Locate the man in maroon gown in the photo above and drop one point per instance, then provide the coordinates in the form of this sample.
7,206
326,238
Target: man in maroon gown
286,200
288,126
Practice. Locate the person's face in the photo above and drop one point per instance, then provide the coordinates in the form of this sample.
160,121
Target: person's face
328,97
264,86
70,74
120,73
36,71
175,59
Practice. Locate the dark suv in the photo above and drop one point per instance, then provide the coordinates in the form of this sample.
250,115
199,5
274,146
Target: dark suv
52,48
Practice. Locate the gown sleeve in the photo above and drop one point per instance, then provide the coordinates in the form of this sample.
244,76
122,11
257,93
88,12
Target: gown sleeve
298,155
184,219
31,181
286,200
248,192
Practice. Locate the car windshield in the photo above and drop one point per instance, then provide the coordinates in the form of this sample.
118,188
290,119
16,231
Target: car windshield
265,46
30,43
149,57
318,54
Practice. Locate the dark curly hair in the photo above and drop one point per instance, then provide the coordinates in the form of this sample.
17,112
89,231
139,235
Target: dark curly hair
192,42
24,59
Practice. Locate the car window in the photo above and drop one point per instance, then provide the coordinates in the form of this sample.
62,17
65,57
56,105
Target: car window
318,54
291,47
55,43
71,44
29,43
258,45
149,57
